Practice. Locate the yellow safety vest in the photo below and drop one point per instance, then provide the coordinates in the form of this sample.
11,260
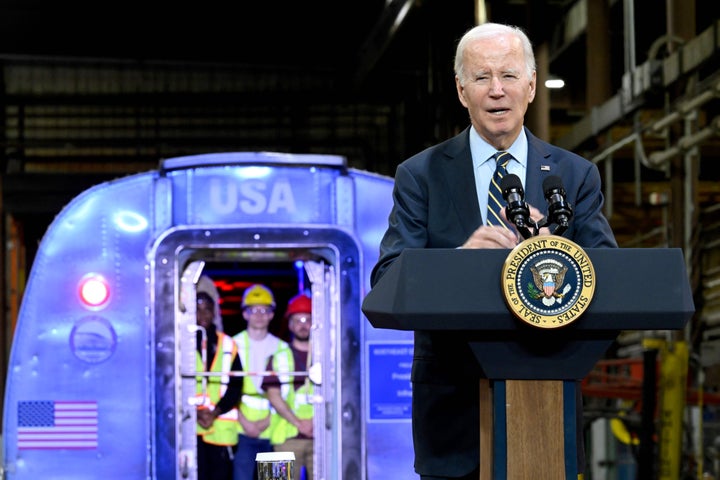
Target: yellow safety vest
223,430
254,404
299,401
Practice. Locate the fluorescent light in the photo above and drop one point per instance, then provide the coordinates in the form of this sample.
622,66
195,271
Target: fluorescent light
554,83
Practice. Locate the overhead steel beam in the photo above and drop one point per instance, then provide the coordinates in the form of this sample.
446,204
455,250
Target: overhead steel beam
379,38
642,80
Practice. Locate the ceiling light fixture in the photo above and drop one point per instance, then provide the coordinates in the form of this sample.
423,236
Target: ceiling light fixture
554,82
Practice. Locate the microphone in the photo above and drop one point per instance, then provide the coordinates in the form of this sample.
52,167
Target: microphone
517,211
559,210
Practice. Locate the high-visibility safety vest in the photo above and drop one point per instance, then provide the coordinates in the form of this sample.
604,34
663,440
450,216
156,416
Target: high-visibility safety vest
299,401
223,430
254,403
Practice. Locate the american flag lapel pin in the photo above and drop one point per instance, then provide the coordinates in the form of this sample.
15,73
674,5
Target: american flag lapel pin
544,168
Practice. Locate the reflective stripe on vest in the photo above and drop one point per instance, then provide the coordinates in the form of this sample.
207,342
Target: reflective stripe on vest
224,429
297,400
256,402
253,404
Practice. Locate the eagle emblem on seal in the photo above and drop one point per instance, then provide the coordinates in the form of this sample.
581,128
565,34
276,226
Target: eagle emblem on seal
548,281
548,277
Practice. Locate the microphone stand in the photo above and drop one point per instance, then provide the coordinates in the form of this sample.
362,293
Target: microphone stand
559,229
525,231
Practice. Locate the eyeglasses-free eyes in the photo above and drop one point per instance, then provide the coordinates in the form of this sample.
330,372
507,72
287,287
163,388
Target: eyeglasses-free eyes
259,310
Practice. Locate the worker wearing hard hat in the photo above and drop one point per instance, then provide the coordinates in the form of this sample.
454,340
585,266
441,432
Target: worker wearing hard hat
255,346
290,390
217,395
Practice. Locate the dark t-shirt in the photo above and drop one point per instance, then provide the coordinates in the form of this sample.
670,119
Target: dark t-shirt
300,360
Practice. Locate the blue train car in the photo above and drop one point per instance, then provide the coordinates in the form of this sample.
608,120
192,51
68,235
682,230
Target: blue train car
102,365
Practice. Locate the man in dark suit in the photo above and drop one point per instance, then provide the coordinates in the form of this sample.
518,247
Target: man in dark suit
440,201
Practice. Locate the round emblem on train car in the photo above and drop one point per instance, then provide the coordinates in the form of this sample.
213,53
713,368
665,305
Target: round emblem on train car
548,281
93,339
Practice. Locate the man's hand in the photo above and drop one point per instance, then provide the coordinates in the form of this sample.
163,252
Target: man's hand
537,217
306,427
205,417
491,236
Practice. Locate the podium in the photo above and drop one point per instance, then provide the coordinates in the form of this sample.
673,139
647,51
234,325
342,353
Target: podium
528,396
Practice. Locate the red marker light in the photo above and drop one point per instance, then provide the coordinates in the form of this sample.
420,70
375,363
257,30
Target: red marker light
94,290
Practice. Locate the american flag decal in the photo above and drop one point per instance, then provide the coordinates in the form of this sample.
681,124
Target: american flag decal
48,425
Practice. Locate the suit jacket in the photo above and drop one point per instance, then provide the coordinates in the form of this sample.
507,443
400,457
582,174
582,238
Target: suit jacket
435,205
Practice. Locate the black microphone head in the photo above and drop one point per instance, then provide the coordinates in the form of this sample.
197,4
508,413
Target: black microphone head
559,210
553,182
511,182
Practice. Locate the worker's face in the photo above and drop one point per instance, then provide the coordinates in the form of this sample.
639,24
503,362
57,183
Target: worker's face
258,316
300,324
205,312
496,88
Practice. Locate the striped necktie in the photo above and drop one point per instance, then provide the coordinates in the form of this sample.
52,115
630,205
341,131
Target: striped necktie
495,197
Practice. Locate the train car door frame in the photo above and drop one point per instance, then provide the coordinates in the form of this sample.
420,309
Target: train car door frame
332,261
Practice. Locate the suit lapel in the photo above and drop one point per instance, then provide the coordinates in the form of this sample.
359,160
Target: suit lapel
540,165
461,182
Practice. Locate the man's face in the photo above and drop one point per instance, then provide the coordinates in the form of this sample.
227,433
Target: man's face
258,316
300,324
205,312
496,88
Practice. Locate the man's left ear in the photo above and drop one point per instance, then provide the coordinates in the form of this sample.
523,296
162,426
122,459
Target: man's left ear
533,86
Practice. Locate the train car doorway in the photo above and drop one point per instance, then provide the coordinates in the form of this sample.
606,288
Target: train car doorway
323,263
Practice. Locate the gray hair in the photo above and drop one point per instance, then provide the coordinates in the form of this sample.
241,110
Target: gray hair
489,30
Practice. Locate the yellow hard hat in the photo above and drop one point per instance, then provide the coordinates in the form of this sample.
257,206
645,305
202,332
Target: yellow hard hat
258,295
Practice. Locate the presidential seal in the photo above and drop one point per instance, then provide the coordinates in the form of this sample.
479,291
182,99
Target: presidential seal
548,281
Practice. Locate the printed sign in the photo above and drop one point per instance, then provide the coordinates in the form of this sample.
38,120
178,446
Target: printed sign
389,387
